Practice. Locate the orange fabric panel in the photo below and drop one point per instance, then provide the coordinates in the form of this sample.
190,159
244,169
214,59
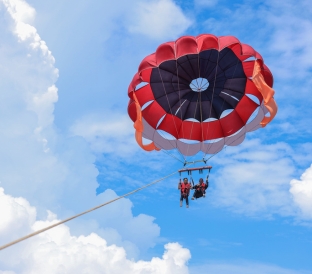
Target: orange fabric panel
139,128
272,108
257,77
267,94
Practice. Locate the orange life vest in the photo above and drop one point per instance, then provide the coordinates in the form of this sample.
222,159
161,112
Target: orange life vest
203,186
185,188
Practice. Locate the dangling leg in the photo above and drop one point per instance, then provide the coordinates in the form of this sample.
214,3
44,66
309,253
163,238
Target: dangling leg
181,200
187,201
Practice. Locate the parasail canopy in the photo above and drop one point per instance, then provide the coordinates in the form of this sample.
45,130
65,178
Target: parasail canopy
200,94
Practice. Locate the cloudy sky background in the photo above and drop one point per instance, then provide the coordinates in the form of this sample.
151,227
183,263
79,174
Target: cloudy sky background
66,143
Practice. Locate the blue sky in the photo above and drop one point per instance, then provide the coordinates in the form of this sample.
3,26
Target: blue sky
67,143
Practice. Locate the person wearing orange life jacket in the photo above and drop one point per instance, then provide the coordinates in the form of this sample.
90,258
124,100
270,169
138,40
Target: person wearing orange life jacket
184,187
200,189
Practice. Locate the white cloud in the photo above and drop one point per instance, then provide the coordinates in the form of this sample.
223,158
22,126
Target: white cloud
56,250
27,75
283,36
56,172
12,209
22,15
109,132
119,216
301,191
28,94
254,179
158,19
37,162
20,10
291,38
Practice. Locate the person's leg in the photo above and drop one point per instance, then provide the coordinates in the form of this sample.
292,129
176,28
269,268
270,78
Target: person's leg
186,200
181,200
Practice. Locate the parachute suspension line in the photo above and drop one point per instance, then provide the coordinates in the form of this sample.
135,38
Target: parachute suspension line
198,99
170,110
85,212
164,151
188,146
181,154
177,71
223,103
200,105
201,109
179,110
171,155
213,90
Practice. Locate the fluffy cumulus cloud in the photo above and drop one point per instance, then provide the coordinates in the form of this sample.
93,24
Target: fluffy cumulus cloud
58,251
301,191
283,33
56,172
106,133
28,94
32,153
255,180
37,162
158,19
118,225
11,210
291,37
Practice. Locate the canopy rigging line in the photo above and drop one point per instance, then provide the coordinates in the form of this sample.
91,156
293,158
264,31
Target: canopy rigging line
174,157
85,212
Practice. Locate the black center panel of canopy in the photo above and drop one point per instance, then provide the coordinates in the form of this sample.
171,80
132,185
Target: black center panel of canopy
171,84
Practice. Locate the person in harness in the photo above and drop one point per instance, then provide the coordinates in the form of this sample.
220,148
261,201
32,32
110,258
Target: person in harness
184,187
200,189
